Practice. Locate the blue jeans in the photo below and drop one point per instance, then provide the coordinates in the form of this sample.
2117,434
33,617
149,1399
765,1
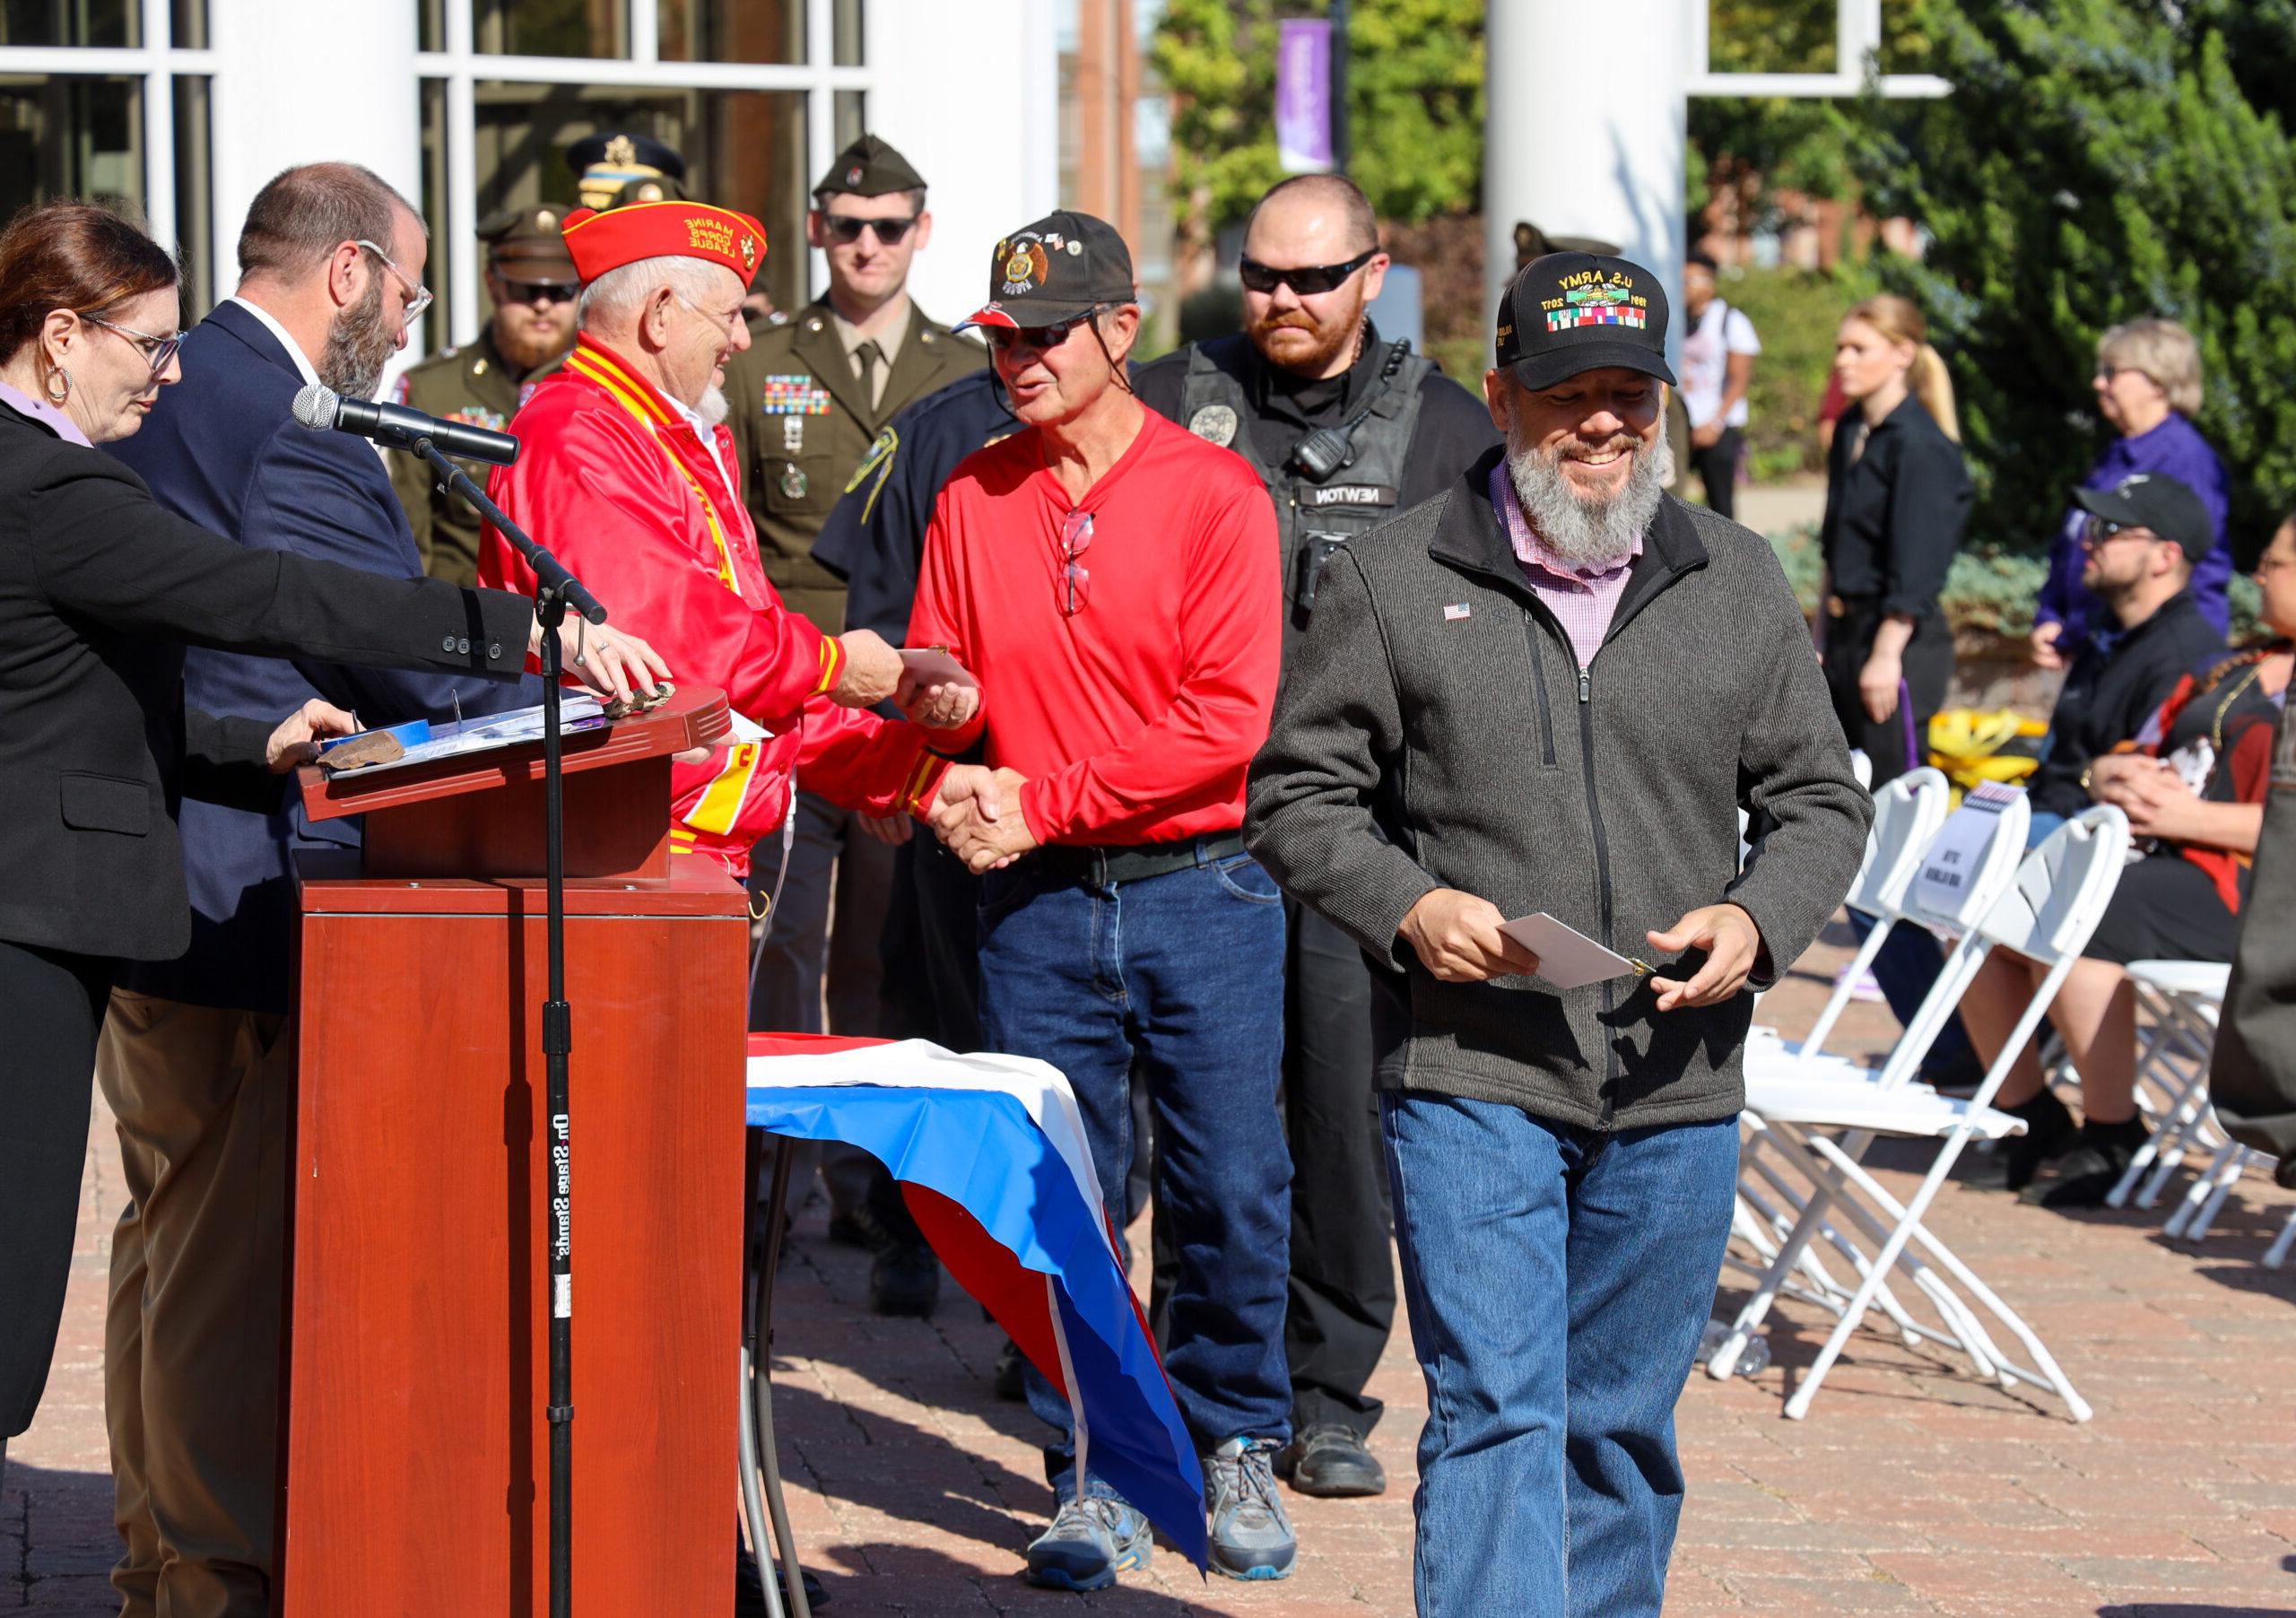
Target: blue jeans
1183,972
1558,1280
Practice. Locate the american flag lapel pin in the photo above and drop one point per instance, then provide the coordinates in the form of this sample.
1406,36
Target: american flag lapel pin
1457,611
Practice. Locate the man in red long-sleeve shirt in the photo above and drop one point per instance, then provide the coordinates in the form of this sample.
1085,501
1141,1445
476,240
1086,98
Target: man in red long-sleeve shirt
1114,581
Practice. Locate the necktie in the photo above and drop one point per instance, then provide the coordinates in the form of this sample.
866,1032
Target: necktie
869,357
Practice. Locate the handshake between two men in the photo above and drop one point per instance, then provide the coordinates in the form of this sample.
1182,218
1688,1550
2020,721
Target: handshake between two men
977,811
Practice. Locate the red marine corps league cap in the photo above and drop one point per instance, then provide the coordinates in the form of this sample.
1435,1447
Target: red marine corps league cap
600,242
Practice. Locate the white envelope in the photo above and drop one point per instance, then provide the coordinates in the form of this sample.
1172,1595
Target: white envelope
1568,957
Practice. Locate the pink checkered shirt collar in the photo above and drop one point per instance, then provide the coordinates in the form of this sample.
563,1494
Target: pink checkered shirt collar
1582,599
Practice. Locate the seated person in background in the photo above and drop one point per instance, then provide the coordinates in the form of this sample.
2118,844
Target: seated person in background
2144,537
2193,787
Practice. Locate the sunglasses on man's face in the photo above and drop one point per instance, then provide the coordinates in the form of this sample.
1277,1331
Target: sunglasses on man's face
1259,277
2097,533
844,228
539,291
1037,337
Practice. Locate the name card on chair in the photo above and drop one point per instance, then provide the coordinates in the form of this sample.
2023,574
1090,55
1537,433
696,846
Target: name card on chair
1951,864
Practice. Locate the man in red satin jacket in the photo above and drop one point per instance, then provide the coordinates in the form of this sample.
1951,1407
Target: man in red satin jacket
627,476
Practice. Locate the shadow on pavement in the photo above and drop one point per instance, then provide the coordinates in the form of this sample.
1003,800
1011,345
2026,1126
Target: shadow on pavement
59,1542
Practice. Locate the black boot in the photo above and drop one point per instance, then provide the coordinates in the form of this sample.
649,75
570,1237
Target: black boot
2049,1133
2095,1166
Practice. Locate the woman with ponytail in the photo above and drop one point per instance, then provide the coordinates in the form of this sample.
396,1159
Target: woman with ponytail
1897,498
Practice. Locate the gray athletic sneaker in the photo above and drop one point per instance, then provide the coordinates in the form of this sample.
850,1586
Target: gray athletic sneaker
1090,1541
1251,1538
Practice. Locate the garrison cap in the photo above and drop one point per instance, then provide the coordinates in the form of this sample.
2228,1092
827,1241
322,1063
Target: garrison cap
869,167
529,244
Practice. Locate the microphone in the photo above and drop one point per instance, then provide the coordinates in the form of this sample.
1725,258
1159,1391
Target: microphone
320,407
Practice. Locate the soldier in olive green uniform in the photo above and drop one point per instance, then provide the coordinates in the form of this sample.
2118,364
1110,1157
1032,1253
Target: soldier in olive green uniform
532,283
806,399
813,390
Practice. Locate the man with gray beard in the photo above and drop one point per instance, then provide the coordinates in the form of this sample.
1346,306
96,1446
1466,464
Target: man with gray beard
1550,691
197,1058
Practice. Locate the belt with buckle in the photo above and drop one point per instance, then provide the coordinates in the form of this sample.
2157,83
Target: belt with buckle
1098,865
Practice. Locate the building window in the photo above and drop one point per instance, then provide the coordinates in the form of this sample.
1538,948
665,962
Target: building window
733,31
71,136
117,24
595,28
745,149
196,198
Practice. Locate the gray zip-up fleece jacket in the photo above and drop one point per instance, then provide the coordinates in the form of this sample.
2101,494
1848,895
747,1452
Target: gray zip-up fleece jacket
1418,745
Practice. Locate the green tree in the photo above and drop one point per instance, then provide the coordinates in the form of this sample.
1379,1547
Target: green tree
2099,161
1414,97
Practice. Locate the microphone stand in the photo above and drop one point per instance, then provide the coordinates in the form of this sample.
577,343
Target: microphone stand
555,590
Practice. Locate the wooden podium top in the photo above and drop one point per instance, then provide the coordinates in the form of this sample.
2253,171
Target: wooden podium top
695,716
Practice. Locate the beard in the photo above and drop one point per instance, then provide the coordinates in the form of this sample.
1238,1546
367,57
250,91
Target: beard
712,407
358,344
1327,340
1586,531
528,345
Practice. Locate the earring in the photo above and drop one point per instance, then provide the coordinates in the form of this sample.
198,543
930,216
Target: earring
55,397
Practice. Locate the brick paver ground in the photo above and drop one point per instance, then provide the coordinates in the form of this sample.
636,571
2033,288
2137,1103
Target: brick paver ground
1910,1489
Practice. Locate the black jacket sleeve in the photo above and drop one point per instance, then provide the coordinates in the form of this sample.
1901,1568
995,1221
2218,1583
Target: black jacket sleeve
104,549
1930,508
1452,433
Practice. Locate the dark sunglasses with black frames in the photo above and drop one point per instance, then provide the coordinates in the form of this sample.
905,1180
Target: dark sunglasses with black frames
844,228
1307,281
1038,337
537,291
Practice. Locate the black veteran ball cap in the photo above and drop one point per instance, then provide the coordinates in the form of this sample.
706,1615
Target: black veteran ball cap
1055,269
2162,504
869,167
1572,312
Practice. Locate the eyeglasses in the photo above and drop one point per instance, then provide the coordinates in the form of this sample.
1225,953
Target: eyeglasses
159,350
1076,578
2097,533
1259,278
543,292
843,228
418,295
1037,337
729,320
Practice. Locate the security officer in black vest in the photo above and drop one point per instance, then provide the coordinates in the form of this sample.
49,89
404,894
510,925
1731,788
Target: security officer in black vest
1345,430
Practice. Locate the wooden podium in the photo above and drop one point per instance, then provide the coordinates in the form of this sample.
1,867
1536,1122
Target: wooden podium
414,1478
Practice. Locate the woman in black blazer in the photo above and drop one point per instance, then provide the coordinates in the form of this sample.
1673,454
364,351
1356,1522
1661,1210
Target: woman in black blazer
1897,500
99,589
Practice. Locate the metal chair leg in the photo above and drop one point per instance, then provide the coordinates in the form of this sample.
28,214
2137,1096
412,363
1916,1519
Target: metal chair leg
753,1513
761,1383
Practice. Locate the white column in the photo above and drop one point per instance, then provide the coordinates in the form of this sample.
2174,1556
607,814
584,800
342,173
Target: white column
298,83
1584,136
966,90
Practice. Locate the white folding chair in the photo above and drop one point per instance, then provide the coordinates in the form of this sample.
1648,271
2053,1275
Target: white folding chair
2047,916
1792,1090
2181,1000
1907,814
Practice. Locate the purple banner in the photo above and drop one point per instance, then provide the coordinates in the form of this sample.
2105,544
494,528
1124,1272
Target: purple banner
1303,95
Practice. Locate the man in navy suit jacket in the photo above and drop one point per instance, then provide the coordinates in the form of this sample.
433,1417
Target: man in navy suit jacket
197,1056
